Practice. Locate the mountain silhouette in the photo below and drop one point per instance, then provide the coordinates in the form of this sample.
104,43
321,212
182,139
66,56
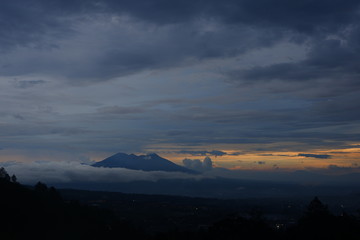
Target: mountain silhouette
149,162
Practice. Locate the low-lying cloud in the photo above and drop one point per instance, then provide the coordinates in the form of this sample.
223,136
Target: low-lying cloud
68,172
198,165
72,174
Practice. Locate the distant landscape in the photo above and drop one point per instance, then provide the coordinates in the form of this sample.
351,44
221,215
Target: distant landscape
152,174
181,119
45,212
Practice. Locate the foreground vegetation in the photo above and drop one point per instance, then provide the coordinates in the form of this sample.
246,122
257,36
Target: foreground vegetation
41,213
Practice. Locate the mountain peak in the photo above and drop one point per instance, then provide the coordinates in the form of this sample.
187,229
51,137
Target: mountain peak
149,162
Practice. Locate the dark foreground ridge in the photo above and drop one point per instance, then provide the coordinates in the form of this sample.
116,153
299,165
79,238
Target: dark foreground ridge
149,162
42,213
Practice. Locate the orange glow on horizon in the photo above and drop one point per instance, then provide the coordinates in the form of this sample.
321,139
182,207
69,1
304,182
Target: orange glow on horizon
269,160
246,158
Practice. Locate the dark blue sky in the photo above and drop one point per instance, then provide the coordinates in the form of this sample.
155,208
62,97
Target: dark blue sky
270,81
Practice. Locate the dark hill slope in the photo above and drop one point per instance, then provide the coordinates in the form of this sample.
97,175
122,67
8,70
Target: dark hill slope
150,162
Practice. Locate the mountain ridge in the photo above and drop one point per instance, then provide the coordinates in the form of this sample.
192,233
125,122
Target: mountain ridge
148,162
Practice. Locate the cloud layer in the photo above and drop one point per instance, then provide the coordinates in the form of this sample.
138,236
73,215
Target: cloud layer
72,172
93,78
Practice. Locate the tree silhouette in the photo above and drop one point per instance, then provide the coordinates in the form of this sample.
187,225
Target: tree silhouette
41,187
319,223
4,175
317,209
14,178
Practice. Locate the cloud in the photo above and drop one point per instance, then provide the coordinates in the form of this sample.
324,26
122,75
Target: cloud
333,169
329,61
198,165
326,59
203,153
202,30
31,24
236,153
276,155
153,72
321,156
51,172
121,110
261,162
28,83
25,129
68,172
118,55
305,16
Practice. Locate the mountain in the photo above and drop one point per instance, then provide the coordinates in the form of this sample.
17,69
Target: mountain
149,162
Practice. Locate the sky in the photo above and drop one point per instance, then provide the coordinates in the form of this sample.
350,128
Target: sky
253,84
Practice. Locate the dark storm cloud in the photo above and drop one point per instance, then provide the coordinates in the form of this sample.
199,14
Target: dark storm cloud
321,156
39,16
243,25
25,23
89,42
326,59
330,70
302,15
119,55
